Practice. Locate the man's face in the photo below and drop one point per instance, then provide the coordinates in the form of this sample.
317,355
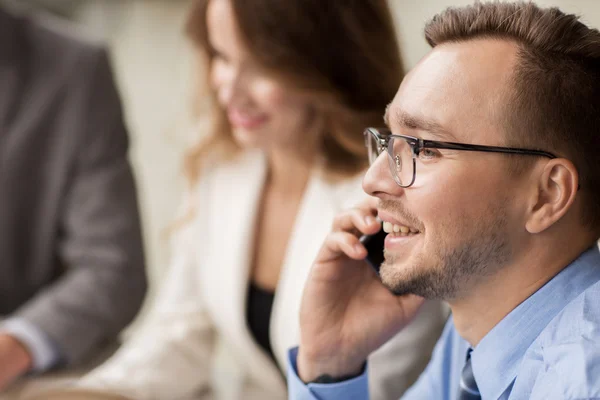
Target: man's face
464,209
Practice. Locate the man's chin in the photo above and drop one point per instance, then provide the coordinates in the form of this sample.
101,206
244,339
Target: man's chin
394,276
398,287
396,269
403,278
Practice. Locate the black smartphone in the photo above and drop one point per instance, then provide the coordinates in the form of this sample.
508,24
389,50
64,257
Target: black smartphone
374,245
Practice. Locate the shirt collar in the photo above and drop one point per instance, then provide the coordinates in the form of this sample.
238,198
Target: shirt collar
497,357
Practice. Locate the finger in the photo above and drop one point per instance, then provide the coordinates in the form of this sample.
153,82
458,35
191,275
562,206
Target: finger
338,244
369,204
357,221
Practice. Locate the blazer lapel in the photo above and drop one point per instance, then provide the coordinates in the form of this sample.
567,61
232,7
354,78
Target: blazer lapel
235,192
313,223
322,201
234,199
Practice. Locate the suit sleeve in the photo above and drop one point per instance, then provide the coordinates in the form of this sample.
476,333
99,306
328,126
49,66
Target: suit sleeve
99,240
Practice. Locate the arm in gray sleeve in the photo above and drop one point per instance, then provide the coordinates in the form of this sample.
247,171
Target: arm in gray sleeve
99,239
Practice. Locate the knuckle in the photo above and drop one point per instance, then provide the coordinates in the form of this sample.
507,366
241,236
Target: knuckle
357,216
332,238
356,212
338,220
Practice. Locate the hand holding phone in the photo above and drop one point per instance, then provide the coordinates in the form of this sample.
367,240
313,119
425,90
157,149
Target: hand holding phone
346,312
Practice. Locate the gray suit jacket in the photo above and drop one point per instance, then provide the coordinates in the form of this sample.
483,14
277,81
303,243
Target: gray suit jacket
71,259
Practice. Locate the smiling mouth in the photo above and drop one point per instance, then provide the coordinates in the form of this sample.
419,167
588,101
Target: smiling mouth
399,230
242,120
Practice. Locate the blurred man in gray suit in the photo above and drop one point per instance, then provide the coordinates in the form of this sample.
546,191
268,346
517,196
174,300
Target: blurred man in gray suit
71,261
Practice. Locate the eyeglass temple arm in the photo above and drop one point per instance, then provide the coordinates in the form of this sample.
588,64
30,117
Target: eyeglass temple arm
488,149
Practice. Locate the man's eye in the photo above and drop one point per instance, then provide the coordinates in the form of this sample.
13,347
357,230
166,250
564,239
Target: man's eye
428,154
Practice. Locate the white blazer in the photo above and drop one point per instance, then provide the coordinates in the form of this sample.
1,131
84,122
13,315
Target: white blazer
196,343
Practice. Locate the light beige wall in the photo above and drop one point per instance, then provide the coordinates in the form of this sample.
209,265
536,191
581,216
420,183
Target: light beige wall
411,16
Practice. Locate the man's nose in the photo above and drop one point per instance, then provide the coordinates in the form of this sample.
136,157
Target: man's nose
378,180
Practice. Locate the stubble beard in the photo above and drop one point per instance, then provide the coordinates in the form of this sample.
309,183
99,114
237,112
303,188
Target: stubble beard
452,269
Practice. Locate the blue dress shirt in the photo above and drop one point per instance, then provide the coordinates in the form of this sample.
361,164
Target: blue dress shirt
548,347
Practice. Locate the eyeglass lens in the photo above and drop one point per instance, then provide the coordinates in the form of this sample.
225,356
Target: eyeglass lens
400,157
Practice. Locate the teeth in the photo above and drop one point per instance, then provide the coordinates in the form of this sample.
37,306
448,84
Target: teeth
388,227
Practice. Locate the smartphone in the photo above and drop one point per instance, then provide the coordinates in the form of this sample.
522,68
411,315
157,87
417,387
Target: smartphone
374,245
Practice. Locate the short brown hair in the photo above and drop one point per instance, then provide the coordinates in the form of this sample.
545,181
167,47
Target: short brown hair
343,55
554,103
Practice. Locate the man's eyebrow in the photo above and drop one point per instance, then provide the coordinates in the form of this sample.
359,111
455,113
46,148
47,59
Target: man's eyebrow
403,119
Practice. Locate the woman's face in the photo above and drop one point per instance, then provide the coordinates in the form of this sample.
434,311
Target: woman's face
261,111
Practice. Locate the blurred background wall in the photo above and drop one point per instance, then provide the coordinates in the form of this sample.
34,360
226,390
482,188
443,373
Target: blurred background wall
154,67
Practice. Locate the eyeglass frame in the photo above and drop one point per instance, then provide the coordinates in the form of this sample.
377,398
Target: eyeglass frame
417,144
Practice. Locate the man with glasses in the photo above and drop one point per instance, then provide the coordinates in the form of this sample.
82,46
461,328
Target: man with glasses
488,184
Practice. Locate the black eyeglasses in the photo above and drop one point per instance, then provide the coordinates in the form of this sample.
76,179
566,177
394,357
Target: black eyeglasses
403,151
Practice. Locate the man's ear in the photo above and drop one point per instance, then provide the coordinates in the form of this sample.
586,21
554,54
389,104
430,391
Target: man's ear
556,191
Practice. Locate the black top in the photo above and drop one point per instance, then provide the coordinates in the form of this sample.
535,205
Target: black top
258,313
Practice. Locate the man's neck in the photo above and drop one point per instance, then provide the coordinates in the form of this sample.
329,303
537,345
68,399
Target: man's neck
476,313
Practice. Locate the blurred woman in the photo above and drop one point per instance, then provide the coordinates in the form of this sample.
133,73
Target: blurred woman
292,84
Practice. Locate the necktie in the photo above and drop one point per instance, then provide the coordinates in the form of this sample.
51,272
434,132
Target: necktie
467,389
